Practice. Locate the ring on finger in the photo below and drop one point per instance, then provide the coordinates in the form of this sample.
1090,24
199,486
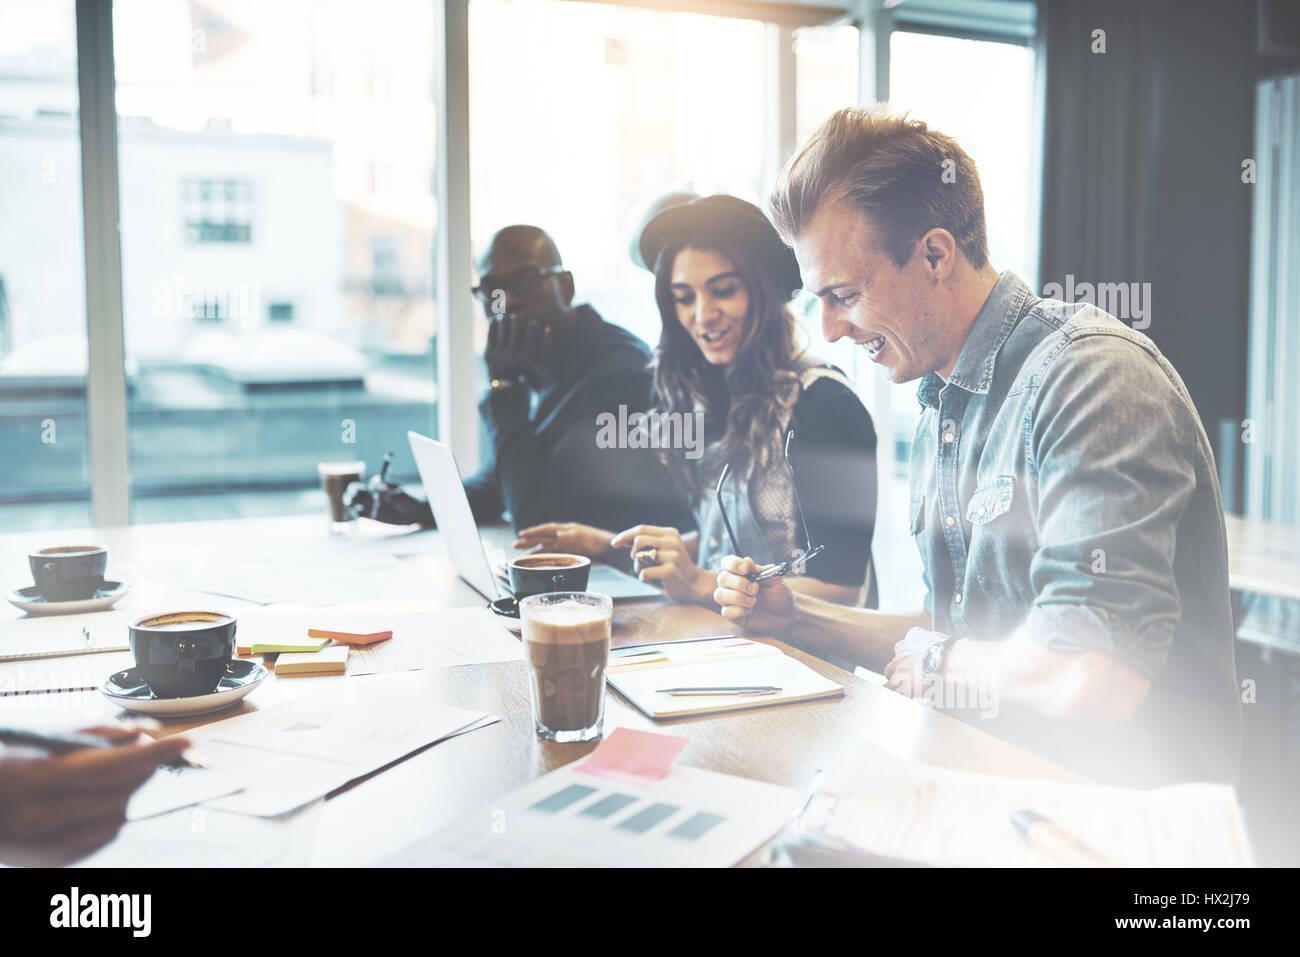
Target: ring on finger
647,556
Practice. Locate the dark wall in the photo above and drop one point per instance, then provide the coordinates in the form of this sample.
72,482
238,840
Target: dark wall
1142,176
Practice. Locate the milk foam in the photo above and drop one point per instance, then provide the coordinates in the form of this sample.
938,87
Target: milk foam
566,621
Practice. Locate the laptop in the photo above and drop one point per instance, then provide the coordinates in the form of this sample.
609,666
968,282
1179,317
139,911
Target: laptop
450,505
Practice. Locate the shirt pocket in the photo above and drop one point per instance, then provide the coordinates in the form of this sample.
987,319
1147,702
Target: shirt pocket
917,521
1002,544
991,501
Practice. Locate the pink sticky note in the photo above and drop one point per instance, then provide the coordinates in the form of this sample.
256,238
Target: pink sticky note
633,757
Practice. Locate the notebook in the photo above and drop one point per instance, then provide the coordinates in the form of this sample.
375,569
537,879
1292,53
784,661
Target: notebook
639,674
63,636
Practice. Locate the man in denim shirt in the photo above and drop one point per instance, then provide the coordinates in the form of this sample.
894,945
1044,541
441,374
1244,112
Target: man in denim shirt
1063,492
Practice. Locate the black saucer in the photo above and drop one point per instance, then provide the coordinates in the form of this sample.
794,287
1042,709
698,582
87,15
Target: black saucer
507,607
129,691
129,684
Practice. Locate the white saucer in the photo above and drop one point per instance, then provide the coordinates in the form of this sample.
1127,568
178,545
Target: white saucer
34,603
127,690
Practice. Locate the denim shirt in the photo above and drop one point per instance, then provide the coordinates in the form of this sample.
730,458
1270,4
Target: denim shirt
1062,484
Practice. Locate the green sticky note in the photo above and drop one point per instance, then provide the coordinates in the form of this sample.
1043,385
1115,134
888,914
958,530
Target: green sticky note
289,646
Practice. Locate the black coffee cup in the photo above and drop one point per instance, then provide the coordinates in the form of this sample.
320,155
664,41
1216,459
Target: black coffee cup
182,654
69,572
549,571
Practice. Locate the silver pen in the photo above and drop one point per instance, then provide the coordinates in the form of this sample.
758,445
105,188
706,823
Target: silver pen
722,690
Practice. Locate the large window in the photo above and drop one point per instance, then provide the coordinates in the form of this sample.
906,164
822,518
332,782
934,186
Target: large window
580,114
43,352
277,234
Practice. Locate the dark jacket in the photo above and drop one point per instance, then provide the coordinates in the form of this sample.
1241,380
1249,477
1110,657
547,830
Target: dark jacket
546,464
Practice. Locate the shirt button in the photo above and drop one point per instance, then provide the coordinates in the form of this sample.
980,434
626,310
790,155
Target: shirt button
957,599
948,436
950,520
983,511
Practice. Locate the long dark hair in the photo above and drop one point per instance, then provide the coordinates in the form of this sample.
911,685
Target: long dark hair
755,391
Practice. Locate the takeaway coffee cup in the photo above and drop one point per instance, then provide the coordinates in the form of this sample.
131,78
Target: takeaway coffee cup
548,571
182,654
69,572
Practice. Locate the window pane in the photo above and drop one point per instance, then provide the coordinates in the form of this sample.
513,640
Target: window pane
993,119
826,80
602,108
277,236
982,94
826,74
45,479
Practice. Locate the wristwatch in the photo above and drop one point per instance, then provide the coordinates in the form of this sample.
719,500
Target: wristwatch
933,661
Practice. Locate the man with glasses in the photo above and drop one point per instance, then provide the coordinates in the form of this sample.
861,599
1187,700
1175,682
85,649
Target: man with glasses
554,367
1064,497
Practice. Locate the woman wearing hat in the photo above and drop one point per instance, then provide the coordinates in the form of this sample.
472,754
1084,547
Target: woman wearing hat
729,349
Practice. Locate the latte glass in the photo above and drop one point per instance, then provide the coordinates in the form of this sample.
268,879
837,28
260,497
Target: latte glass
566,645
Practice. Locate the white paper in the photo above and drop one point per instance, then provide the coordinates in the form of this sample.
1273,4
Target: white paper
173,787
458,636
715,820
203,837
303,749
422,637
323,577
962,819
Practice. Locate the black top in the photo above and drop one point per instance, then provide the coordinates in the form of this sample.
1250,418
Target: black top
547,464
834,459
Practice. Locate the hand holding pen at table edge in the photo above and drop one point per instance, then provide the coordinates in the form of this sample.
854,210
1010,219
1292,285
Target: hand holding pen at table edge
55,809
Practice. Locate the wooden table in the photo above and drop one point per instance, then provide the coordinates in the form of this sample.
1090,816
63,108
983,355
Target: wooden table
394,807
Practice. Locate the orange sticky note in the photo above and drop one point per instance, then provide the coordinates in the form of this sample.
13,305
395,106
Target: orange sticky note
347,638
633,757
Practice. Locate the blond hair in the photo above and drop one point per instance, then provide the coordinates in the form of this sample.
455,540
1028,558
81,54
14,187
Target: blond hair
905,177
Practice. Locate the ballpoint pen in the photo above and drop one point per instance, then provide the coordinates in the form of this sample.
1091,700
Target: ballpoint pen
721,690
1046,836
624,653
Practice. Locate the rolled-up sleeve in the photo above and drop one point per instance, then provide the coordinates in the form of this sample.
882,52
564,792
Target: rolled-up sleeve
1113,442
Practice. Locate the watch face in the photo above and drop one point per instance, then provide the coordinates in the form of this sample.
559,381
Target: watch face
930,664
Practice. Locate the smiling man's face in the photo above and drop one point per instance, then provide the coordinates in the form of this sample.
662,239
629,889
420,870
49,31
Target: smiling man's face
887,310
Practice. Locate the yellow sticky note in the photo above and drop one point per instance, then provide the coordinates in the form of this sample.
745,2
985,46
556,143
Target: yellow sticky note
327,661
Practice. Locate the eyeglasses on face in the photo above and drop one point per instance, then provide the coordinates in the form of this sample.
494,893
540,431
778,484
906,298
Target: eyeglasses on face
797,565
520,283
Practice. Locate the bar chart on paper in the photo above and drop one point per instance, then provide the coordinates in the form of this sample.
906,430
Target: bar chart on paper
690,818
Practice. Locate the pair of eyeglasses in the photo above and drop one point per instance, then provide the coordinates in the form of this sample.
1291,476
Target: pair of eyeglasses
797,565
519,284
